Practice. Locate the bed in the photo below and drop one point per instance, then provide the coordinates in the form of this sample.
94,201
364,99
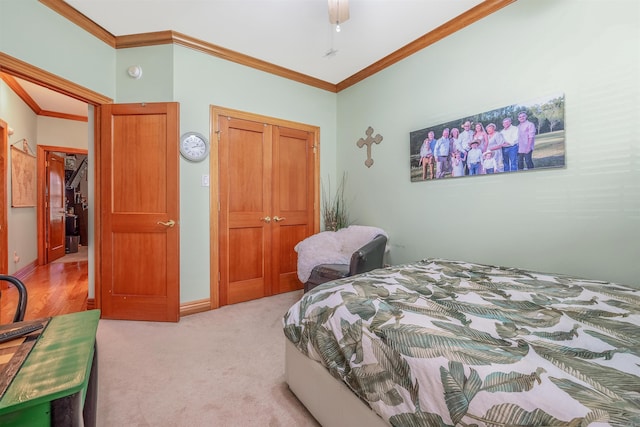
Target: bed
444,343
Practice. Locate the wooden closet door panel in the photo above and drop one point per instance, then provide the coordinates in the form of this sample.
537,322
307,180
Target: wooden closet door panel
267,197
293,202
245,158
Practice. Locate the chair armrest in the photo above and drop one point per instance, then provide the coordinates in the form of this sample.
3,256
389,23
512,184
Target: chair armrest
21,308
324,273
368,257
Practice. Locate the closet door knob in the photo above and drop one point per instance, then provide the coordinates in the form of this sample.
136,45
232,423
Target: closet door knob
169,223
278,219
266,219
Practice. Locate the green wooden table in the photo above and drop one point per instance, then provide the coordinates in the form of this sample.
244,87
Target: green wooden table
59,377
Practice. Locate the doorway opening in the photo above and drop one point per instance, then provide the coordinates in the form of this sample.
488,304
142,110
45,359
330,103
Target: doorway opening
17,68
63,223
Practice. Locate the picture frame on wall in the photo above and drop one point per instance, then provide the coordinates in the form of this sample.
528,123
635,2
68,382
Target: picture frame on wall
23,179
524,136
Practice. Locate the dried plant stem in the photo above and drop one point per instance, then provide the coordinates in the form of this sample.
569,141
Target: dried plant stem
334,210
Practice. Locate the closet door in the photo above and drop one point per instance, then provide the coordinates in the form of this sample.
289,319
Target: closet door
293,181
267,192
245,209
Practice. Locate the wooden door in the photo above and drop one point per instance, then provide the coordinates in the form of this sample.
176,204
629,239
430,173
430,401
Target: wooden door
267,193
55,207
293,201
139,229
245,214
4,239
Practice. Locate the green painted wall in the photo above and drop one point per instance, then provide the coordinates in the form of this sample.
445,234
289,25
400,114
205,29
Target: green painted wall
55,45
197,81
21,232
37,130
201,81
170,73
41,37
157,81
583,219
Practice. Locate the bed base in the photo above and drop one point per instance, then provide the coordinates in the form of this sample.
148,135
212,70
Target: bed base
330,401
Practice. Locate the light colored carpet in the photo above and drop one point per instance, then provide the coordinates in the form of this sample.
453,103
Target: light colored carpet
224,367
81,255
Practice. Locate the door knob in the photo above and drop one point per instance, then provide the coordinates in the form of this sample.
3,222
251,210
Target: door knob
278,219
266,219
169,223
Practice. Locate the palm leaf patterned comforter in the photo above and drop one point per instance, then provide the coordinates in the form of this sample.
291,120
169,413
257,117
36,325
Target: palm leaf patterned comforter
449,343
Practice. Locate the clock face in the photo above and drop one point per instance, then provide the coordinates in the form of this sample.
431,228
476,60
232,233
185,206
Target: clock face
194,146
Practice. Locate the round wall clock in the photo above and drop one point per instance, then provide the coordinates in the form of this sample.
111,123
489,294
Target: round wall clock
194,146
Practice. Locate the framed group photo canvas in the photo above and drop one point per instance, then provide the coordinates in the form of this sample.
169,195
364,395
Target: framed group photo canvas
519,137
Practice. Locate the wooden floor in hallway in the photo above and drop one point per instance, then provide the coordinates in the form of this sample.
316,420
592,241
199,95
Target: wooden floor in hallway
52,289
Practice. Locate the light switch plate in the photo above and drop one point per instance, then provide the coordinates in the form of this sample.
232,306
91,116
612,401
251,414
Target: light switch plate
205,180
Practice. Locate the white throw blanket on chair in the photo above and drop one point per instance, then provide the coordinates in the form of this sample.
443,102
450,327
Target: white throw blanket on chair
332,247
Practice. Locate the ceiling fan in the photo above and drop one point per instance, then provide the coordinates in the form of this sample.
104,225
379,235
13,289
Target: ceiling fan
338,12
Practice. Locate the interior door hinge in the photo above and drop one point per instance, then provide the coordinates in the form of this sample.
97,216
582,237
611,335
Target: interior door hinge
218,133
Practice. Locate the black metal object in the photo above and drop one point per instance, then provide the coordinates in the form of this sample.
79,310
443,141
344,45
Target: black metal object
90,409
21,309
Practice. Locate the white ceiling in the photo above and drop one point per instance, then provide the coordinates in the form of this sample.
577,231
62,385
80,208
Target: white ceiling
49,100
294,34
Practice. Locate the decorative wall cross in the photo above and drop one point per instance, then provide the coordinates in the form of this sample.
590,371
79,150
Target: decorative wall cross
368,142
